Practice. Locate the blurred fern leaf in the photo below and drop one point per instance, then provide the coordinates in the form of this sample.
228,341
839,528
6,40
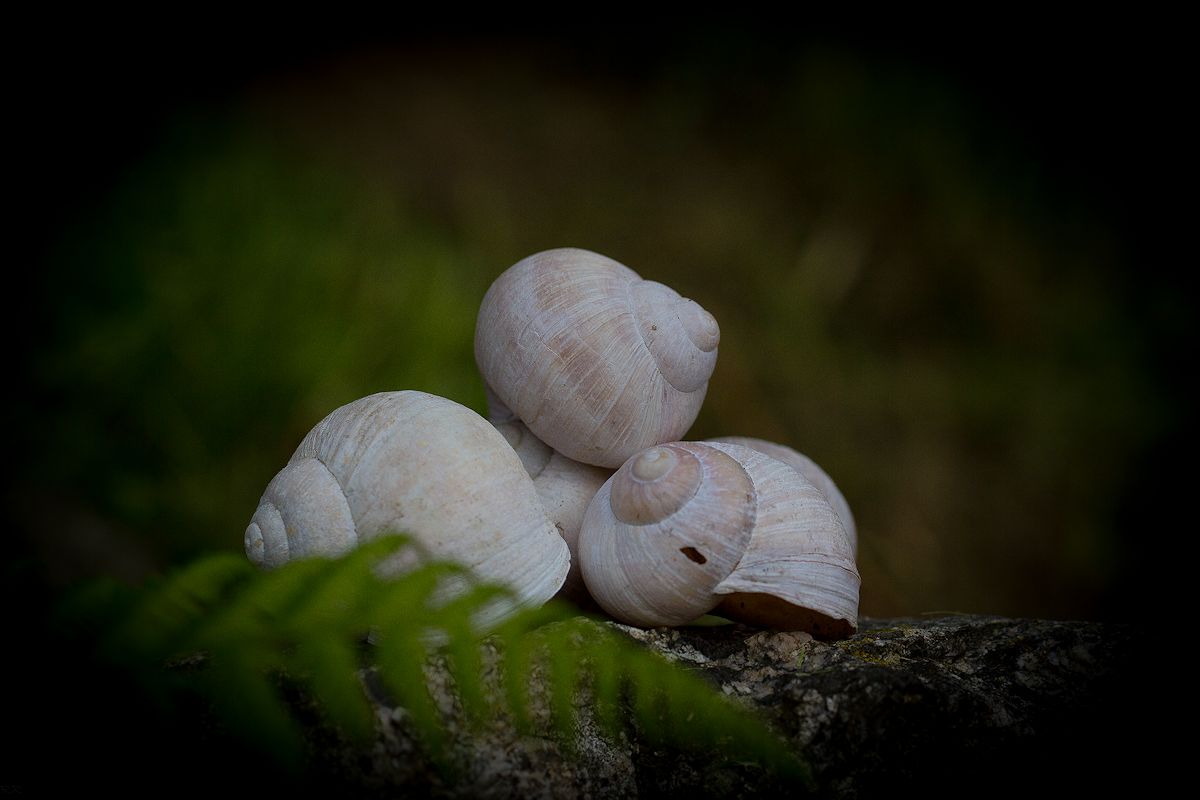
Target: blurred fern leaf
312,622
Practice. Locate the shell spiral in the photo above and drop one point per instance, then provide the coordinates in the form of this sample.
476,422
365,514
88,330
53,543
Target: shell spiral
595,361
661,535
684,528
420,464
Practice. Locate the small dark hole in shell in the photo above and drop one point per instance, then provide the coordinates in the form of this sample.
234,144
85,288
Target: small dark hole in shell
693,554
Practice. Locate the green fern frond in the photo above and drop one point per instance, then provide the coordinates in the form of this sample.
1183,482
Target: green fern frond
318,622
168,610
329,665
239,685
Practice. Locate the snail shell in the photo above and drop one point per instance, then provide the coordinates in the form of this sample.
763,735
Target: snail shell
684,527
420,464
595,361
809,469
565,488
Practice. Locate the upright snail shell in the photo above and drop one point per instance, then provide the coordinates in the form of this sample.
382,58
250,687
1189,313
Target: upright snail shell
564,486
597,362
420,464
809,469
684,527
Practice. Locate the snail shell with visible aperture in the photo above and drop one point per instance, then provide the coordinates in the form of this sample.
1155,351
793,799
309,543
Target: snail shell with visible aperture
684,528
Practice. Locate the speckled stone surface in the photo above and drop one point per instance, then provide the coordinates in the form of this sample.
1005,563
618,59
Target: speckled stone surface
965,705
958,705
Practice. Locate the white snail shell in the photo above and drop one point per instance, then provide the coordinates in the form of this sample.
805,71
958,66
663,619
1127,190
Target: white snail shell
684,527
595,361
809,469
420,464
565,487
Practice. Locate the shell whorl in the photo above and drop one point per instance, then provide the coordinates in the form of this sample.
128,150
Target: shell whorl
680,335
798,570
657,483
664,531
598,363
810,470
303,512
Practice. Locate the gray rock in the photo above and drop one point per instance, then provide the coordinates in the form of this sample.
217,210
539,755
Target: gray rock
952,705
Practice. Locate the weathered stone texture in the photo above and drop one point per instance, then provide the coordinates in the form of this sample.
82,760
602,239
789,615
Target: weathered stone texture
953,705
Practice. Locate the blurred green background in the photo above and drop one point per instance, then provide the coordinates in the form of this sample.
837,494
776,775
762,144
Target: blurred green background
924,267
